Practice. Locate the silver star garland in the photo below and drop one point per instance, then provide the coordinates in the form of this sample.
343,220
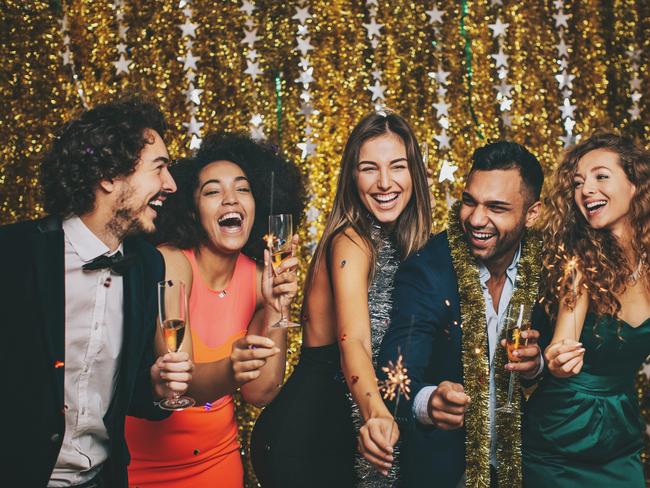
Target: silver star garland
564,77
67,58
374,35
440,80
123,64
308,144
634,56
503,89
256,123
192,93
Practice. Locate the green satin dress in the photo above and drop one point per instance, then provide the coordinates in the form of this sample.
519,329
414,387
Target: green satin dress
587,431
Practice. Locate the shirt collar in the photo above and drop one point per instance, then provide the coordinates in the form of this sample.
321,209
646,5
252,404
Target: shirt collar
511,271
84,242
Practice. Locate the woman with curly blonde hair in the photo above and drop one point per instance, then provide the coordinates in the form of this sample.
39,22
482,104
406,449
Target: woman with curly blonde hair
583,425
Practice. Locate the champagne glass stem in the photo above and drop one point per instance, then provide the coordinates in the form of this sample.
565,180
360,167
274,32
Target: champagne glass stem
511,387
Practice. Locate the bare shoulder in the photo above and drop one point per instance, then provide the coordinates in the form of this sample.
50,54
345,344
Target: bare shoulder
349,241
177,266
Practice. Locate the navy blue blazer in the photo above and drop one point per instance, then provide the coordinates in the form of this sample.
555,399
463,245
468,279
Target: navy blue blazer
32,303
425,329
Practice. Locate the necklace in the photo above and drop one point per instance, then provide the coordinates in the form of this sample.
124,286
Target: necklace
633,278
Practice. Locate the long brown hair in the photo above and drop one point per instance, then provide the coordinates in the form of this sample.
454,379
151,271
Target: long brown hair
600,257
413,226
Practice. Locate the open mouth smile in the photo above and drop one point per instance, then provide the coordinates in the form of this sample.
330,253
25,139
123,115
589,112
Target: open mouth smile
231,222
593,207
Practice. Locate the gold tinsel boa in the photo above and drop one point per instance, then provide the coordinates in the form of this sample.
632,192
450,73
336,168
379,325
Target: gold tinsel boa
476,368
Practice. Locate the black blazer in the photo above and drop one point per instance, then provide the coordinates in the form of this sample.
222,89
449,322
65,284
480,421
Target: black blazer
424,328
32,304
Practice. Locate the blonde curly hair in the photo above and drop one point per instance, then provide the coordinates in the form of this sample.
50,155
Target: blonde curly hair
595,253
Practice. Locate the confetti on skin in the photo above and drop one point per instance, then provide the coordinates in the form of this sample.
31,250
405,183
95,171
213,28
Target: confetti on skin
343,263
397,382
343,337
355,379
207,406
196,452
368,394
58,364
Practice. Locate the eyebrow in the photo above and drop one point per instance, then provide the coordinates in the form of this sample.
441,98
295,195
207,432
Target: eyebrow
489,202
214,180
161,159
391,162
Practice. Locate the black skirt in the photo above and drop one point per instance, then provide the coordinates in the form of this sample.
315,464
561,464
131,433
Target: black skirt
305,437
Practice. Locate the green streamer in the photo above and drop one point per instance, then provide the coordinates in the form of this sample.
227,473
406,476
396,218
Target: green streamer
278,108
470,72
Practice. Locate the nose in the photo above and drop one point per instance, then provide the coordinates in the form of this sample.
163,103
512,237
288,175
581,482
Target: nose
384,179
230,197
478,218
169,185
588,187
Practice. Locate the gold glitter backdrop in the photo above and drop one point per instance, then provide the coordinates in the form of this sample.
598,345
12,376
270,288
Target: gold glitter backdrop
603,44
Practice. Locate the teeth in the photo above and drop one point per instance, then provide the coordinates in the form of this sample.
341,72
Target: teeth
231,215
481,235
156,203
385,197
597,203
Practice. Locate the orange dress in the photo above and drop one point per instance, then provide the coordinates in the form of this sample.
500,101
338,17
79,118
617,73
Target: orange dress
198,447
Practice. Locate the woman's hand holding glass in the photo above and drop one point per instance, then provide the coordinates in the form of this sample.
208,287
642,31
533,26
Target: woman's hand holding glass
280,284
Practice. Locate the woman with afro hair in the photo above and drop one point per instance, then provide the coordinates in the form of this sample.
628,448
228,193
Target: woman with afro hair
211,237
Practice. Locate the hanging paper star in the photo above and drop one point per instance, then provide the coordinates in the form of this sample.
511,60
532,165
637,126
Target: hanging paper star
373,28
67,56
440,76
195,142
257,133
561,19
304,45
188,28
442,108
635,112
503,89
562,49
122,65
250,37
500,59
247,7
569,124
377,90
308,148
122,29
307,109
635,82
189,60
302,14
447,172
193,94
252,54
506,119
256,120
194,126
565,79
498,28
253,69
435,15
567,109
305,77
636,96
443,140
121,48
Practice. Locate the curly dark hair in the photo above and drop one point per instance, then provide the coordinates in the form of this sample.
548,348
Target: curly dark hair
600,257
103,143
178,223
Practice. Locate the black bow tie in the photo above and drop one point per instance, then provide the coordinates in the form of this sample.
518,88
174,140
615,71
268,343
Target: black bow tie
117,263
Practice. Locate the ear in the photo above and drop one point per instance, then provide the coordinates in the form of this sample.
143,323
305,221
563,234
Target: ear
533,213
107,186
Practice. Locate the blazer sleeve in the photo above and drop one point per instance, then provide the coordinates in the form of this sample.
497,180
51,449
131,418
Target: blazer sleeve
418,317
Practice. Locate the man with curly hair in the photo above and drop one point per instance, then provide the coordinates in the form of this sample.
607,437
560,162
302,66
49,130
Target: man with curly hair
78,296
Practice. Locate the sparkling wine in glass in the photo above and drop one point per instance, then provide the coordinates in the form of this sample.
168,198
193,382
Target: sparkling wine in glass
517,321
281,234
172,310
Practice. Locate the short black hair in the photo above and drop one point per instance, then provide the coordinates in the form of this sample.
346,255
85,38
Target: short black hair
510,155
102,143
178,223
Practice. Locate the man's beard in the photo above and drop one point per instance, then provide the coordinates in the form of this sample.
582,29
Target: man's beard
125,220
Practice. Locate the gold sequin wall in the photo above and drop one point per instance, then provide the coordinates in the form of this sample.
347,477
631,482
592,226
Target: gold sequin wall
464,73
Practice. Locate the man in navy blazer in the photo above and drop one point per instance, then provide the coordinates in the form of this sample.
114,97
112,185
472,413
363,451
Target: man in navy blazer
79,306
500,201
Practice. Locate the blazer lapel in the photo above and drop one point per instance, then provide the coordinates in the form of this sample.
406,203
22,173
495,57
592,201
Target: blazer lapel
50,278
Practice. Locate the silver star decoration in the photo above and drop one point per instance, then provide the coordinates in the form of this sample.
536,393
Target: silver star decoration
444,122
558,4
182,3
502,73
252,54
250,37
567,139
66,40
498,28
505,105
307,109
503,90
304,63
563,64
121,48
122,29
569,124
249,23
635,82
566,93
440,76
562,50
449,200
374,42
443,140
373,28
64,23
189,43
305,77
561,19
312,214
257,133
193,126
302,14
247,7
447,172
377,74
188,28
193,94
567,108
304,45
496,2
189,60
507,119
636,96
305,95
442,108
303,30
635,112
500,58
435,15
634,54
253,69
371,2
308,148
67,56
256,120
187,11
377,90
119,16
565,79
195,142
441,91
122,65
190,75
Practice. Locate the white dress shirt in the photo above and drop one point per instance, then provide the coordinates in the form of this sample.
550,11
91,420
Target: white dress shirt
495,320
93,341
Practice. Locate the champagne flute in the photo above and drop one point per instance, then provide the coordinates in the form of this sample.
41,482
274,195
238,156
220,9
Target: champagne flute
517,320
172,309
281,235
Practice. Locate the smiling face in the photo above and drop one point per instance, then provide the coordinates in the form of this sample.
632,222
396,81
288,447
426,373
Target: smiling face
225,205
141,194
494,213
383,178
602,191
